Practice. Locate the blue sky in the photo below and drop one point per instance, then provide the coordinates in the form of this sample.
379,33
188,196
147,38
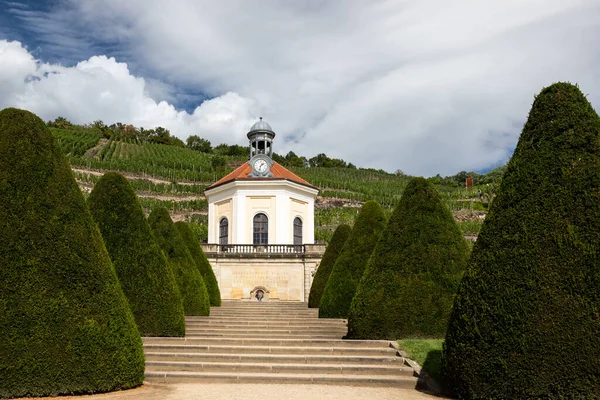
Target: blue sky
54,33
426,87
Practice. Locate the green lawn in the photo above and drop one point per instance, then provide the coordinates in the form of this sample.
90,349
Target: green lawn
427,352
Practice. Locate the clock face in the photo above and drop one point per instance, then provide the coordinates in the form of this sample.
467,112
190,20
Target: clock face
261,166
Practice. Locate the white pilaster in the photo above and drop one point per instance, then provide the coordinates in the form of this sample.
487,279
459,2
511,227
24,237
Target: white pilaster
212,229
310,223
239,215
284,236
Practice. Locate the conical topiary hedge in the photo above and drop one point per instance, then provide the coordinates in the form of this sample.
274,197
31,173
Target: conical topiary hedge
146,277
350,265
408,287
334,248
210,281
189,280
65,324
526,320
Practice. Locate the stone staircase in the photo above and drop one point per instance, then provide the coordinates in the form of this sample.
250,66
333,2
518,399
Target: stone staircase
272,342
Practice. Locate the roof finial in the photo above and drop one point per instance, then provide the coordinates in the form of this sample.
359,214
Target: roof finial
260,118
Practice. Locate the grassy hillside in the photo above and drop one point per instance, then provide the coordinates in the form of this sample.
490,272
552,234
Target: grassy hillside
175,177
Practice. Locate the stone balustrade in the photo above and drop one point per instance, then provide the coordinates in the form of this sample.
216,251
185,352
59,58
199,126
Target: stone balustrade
210,248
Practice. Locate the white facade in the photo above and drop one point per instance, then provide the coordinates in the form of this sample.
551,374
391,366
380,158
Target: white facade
280,200
261,227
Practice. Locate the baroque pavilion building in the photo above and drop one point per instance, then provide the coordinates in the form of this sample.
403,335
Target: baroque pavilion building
261,227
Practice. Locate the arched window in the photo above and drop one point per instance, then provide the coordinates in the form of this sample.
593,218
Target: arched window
297,231
223,231
261,229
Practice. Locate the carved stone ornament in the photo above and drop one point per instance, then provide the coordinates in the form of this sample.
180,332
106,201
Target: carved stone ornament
259,293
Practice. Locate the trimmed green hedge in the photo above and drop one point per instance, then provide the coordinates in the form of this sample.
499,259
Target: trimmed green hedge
351,263
334,248
408,287
189,280
145,275
526,319
201,262
65,325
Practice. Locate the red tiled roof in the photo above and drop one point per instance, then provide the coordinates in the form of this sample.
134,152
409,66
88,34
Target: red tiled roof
278,170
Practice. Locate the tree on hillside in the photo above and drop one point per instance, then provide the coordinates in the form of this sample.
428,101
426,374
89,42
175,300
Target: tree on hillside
293,160
60,122
234,150
145,275
65,323
278,159
101,127
175,141
526,318
197,143
334,248
201,262
159,135
408,287
321,160
218,162
351,263
189,280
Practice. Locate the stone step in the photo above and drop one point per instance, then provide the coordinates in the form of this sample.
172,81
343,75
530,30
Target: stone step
277,368
276,336
197,330
264,304
268,326
244,322
290,350
236,323
257,314
321,379
275,358
265,342
262,333
250,319
259,308
266,317
310,311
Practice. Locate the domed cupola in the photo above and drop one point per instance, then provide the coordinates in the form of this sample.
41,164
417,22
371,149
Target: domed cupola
261,137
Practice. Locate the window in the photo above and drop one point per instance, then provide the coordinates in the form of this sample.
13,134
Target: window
223,231
261,229
297,231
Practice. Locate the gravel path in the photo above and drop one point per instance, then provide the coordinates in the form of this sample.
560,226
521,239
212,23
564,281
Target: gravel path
235,391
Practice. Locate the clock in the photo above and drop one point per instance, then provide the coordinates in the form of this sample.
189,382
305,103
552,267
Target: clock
261,166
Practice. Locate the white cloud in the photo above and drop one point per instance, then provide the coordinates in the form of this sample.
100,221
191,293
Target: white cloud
16,65
101,88
427,87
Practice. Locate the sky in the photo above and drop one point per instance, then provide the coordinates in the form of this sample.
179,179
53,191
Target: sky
427,87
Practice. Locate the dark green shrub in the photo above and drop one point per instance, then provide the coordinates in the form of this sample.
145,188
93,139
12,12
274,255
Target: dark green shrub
65,324
351,263
189,280
145,275
334,248
201,261
526,319
408,287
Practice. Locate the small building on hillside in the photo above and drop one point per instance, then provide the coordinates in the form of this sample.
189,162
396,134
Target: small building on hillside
261,227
